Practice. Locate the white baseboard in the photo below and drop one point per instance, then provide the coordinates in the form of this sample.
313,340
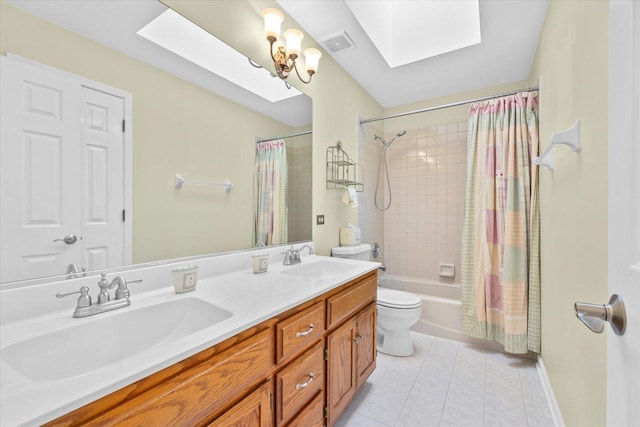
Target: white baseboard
548,393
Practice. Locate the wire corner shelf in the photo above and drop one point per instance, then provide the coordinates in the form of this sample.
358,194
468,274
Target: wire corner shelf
342,172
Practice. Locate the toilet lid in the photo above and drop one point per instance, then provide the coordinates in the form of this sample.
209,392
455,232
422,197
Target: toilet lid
397,299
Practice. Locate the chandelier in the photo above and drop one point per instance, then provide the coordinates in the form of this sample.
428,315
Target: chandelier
284,58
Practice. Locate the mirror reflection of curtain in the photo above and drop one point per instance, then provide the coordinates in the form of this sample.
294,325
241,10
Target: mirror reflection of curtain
270,193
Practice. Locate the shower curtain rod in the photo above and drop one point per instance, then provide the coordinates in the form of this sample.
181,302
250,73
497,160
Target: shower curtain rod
453,104
306,132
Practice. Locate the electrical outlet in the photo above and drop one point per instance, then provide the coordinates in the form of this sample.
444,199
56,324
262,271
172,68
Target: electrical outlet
319,219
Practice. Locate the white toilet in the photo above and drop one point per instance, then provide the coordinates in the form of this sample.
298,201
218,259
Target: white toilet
397,310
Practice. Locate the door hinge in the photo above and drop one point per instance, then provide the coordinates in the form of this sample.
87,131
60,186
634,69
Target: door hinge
271,401
123,126
326,412
326,354
123,215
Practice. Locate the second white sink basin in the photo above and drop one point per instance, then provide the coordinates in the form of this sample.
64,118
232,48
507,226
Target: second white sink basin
320,269
98,342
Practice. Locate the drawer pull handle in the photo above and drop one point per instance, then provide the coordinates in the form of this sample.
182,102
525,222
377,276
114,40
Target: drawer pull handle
307,332
312,377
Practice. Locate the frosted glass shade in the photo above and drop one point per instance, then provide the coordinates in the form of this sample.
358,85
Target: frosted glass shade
312,59
294,41
272,20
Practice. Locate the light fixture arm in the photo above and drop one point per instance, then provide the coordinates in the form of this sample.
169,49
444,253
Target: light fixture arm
300,77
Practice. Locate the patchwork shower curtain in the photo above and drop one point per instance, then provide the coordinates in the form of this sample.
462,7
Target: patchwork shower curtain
270,193
500,244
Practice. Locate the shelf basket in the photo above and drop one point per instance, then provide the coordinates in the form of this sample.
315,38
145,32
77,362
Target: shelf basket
341,171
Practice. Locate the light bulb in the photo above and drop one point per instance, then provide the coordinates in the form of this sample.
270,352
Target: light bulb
312,59
294,41
272,20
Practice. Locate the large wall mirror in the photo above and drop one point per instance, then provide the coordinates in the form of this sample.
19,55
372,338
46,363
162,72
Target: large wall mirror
184,120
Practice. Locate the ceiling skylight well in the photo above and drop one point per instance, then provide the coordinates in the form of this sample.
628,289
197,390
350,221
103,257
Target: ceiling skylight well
182,37
409,31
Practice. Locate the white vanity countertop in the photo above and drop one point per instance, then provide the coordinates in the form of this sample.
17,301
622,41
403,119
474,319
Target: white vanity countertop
251,298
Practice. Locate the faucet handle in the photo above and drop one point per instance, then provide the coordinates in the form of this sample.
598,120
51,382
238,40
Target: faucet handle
103,282
123,291
84,300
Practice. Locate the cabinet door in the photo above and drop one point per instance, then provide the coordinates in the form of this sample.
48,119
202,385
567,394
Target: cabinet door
365,341
341,373
252,411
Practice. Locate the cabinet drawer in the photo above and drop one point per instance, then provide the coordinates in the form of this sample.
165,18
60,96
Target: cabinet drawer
299,331
252,411
312,415
347,302
200,392
299,382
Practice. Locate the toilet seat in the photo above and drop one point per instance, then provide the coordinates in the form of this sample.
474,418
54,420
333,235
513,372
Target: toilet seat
391,298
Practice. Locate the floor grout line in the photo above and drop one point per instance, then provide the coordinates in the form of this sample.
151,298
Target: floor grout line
433,355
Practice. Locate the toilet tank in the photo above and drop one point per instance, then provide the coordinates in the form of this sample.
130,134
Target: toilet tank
361,252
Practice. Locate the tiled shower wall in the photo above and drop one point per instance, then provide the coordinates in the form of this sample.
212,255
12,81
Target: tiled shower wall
423,225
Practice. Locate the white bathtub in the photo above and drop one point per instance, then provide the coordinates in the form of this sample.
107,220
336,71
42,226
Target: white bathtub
441,308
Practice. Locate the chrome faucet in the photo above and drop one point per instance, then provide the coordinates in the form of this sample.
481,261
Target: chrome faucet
85,308
73,272
292,255
308,247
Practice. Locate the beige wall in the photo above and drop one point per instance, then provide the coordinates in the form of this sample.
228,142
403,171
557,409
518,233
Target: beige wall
177,128
337,98
572,62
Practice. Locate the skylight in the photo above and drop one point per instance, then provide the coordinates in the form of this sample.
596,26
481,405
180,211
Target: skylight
182,37
409,31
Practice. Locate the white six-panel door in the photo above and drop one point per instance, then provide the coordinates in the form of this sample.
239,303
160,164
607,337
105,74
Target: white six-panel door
39,159
61,173
623,352
102,139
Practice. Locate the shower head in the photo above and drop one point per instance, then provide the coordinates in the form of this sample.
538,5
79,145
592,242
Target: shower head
385,143
399,134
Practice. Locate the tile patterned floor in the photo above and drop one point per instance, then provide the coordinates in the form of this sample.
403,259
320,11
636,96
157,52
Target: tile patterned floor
450,384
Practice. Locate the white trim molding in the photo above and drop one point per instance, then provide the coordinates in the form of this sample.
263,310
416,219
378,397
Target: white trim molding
558,421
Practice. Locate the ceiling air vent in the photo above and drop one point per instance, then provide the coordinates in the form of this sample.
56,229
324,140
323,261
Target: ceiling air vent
338,42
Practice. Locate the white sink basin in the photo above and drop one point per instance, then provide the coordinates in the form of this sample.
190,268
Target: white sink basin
97,342
320,269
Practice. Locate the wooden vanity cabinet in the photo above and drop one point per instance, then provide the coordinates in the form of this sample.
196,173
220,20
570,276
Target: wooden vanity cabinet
300,368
